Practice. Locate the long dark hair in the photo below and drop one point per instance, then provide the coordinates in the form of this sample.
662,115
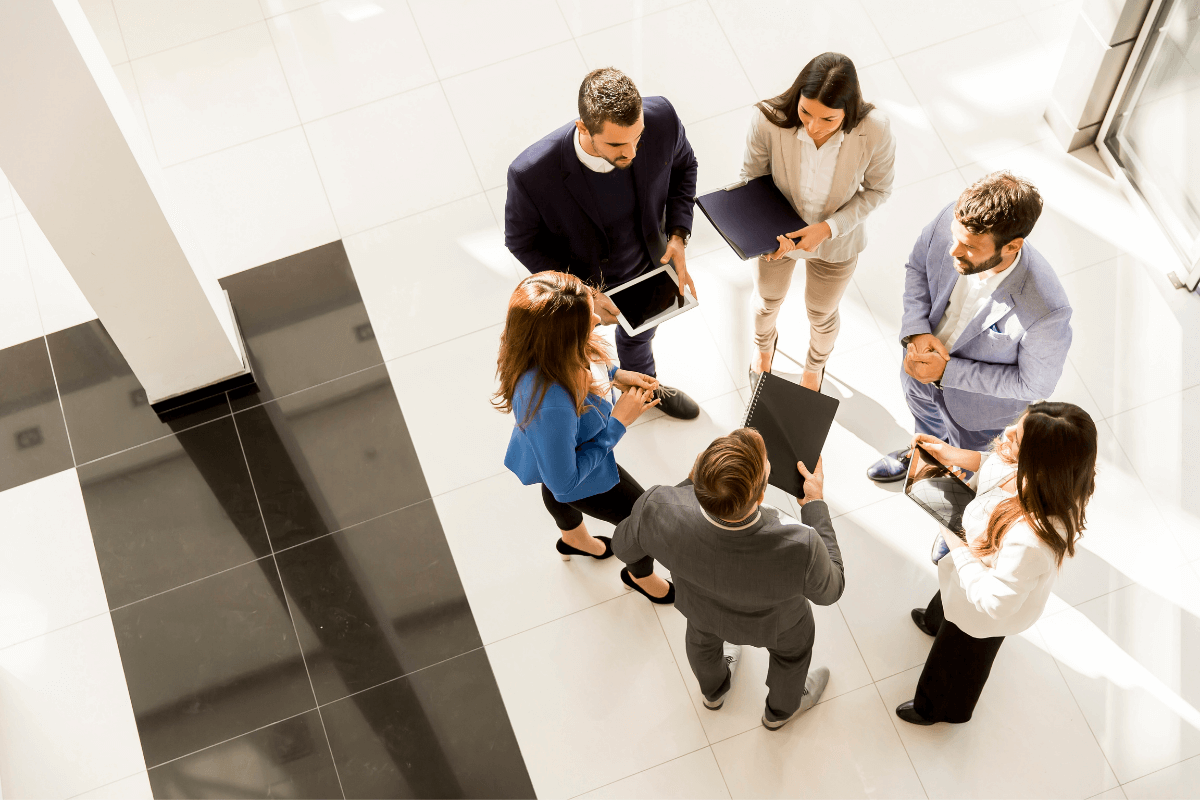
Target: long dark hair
831,79
549,328
1056,476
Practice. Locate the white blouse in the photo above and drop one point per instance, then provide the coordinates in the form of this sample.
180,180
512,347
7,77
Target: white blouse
816,177
1005,593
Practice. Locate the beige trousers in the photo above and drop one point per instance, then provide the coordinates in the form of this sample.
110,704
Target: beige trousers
824,284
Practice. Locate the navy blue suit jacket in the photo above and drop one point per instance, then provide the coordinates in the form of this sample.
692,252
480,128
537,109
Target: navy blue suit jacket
551,221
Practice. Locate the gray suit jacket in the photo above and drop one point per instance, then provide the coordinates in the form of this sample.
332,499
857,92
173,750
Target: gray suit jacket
747,586
1012,353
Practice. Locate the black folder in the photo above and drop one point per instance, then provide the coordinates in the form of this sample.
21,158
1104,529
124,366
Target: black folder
794,423
750,216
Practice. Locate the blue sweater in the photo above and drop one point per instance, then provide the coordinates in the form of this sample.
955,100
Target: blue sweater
571,454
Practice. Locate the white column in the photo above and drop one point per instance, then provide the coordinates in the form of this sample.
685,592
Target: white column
72,149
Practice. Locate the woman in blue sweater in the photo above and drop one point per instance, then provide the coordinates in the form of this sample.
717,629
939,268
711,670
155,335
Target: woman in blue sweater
566,427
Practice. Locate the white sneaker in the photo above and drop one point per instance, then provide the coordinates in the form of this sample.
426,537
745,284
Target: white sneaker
733,654
814,686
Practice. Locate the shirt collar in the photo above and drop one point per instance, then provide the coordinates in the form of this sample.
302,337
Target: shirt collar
835,140
993,278
594,163
726,526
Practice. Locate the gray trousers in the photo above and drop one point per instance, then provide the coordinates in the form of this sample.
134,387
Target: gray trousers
790,659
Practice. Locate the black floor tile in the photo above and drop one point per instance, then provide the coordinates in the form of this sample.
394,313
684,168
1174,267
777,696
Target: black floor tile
288,759
304,322
211,660
440,732
379,600
35,439
105,405
330,457
172,511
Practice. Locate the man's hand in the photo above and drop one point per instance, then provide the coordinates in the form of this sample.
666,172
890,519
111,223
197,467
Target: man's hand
675,255
606,309
925,358
814,482
624,380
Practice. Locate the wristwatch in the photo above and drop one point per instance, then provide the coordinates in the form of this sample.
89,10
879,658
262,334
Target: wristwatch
682,233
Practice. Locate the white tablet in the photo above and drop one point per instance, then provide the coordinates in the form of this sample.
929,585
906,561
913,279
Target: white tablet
650,300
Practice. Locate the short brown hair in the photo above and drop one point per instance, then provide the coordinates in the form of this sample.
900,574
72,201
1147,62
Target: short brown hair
731,473
608,95
1000,204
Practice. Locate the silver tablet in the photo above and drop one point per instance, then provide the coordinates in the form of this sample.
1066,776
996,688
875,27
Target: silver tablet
650,300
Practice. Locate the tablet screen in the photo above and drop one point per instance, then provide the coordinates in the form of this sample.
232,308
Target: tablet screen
647,299
936,489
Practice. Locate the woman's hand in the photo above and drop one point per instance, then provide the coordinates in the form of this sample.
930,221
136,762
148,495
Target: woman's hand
810,238
949,456
624,380
632,404
952,541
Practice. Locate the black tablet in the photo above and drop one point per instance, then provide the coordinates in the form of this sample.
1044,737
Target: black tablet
938,490
650,300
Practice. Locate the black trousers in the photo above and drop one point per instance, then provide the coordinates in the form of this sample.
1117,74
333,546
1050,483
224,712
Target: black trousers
612,506
955,671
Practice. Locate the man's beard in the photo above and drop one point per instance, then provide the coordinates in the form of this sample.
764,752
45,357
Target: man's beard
625,164
967,268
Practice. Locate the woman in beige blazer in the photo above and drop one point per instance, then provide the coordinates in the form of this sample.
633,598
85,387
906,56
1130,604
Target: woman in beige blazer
832,155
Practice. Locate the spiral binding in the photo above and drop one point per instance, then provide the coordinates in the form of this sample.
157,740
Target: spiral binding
754,400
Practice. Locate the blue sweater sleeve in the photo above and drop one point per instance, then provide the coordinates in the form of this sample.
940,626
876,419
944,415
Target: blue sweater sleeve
552,432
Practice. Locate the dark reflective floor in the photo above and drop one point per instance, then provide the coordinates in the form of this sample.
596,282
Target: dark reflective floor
288,612
33,438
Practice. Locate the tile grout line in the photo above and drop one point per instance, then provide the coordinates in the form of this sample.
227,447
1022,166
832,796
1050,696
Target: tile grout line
224,741
640,771
287,603
896,729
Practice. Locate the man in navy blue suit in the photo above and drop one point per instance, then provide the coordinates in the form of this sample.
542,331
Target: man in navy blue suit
607,198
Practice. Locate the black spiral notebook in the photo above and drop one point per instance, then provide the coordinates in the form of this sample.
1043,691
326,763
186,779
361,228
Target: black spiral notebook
794,423
749,216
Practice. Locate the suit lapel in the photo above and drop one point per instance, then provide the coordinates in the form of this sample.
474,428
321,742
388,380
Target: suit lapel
575,182
844,171
1003,301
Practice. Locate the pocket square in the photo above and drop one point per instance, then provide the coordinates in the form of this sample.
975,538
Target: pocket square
995,328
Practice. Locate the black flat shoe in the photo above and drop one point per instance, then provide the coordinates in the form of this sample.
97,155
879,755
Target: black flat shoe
566,551
906,712
666,600
918,616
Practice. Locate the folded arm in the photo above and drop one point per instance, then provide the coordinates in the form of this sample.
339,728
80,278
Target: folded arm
1041,355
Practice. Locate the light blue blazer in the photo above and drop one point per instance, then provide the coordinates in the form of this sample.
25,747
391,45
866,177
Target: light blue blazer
1012,353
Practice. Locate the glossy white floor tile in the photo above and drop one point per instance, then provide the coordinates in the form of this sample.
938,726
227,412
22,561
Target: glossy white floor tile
8,206
1132,660
846,747
255,202
374,157
51,578
693,776
147,29
720,146
103,19
66,703
948,78
551,74
60,303
584,17
496,31
680,53
595,697
1026,715
18,304
213,93
906,28
1178,780
135,787
340,54
408,272
920,153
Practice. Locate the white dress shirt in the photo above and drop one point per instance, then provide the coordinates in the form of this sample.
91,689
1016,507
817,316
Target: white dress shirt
1005,593
594,163
816,176
971,295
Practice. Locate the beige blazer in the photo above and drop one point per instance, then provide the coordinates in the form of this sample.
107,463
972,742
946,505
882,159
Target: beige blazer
862,179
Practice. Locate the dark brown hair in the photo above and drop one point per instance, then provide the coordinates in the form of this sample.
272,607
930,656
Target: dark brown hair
1056,476
608,95
830,79
1000,204
731,474
549,329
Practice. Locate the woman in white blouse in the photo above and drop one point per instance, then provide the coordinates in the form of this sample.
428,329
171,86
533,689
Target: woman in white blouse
1028,514
831,154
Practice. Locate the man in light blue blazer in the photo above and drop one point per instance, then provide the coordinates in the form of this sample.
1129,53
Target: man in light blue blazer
986,325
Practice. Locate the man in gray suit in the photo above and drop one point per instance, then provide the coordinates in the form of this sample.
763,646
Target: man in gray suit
744,572
986,325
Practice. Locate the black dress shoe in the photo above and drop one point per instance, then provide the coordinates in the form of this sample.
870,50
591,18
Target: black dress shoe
906,712
675,403
918,616
566,551
665,600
